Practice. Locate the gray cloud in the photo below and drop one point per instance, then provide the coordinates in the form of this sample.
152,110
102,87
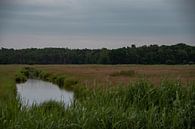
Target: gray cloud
95,19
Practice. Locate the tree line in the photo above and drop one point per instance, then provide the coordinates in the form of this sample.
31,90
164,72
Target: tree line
152,54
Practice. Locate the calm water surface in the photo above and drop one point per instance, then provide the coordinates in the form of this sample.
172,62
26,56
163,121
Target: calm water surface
38,91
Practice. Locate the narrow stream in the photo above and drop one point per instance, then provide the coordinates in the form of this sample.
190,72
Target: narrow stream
37,91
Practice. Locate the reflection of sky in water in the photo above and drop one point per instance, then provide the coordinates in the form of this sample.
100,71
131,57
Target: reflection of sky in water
38,91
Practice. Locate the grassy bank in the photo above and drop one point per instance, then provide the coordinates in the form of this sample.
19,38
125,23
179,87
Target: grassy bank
62,80
137,105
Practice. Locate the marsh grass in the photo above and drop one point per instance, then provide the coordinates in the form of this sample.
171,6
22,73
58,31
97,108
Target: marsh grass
128,73
20,77
62,80
139,105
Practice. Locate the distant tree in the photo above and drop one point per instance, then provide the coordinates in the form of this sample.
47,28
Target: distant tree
104,56
152,54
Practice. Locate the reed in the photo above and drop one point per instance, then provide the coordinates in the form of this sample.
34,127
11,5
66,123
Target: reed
137,105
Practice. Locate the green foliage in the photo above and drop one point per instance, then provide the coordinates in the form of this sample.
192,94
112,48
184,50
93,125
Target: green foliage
170,62
139,105
128,73
152,54
69,83
62,81
21,76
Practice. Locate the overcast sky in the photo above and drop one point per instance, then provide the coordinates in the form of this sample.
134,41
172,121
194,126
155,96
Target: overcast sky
95,23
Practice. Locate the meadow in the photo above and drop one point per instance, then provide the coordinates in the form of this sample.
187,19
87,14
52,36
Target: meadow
106,97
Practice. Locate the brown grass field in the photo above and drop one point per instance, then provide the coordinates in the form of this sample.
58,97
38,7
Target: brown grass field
102,74
93,75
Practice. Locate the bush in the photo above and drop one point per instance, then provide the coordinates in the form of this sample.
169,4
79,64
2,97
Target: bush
20,78
128,73
170,62
190,62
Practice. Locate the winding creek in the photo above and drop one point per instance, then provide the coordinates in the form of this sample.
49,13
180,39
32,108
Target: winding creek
35,91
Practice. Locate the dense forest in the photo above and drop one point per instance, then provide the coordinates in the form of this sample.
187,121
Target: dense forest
152,54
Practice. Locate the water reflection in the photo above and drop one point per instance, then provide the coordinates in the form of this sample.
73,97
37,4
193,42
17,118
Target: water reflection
38,91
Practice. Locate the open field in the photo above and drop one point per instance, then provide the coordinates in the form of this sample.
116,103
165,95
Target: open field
103,73
141,104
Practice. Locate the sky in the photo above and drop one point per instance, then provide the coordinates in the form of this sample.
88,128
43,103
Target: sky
95,23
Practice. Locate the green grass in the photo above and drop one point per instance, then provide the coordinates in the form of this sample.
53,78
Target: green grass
128,73
139,105
62,80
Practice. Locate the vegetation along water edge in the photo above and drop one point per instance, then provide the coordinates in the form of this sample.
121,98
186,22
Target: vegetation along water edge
134,105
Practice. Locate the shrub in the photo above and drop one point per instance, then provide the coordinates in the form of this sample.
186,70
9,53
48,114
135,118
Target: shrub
60,80
20,78
128,73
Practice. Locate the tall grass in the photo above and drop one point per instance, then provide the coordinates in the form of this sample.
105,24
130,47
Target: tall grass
128,73
63,81
139,105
